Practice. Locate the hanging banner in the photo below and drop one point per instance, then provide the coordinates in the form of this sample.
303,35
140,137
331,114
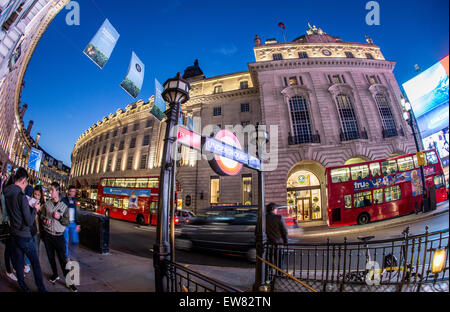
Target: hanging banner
34,162
100,48
159,105
135,77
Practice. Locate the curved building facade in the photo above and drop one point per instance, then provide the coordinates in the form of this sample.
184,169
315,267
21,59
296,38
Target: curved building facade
332,102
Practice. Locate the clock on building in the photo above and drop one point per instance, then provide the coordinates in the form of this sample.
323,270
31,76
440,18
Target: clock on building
326,52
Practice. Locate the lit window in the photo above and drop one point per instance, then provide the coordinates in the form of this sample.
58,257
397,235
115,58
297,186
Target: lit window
348,201
247,191
363,199
293,81
393,193
378,197
405,164
340,175
218,89
389,167
375,170
439,181
360,172
215,190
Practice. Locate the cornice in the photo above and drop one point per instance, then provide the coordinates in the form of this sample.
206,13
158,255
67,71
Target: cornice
204,99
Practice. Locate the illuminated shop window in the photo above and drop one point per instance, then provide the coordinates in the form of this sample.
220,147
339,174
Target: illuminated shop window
215,190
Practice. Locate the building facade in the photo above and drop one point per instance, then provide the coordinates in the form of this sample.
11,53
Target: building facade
332,103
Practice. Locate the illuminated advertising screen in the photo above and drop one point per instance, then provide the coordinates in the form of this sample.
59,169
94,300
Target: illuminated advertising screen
429,97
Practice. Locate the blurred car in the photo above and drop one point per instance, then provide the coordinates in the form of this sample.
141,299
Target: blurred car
224,231
88,204
184,216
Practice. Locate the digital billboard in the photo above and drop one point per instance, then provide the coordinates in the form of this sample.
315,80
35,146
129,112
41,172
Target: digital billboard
428,94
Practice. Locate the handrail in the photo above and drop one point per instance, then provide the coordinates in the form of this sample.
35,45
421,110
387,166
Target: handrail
207,279
287,274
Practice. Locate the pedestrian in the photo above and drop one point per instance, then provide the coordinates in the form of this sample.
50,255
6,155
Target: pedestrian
7,242
38,194
22,217
55,218
29,195
71,232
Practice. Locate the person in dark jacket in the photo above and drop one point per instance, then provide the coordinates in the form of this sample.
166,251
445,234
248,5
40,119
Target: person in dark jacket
22,218
72,230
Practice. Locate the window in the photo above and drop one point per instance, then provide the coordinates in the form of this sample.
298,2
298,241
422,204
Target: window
277,57
98,152
369,56
432,158
100,138
302,55
245,108
218,89
143,162
372,80
112,147
217,111
360,172
146,141
375,170
149,123
301,121
393,193
133,142
349,55
348,201
107,136
439,181
405,164
363,199
125,130
389,167
247,191
349,121
115,133
336,79
387,118
130,163
378,197
108,167
340,175
118,164
136,127
215,190
121,145
104,150
293,81
244,84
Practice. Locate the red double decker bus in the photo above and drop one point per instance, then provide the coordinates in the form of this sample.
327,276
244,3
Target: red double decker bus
383,189
130,199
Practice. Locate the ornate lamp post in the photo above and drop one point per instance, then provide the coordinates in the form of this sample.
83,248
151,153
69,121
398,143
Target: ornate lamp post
176,92
260,138
408,115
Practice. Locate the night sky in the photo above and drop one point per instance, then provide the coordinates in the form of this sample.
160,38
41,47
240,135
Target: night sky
67,93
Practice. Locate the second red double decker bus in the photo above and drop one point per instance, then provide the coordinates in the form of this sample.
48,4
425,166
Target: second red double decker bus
378,190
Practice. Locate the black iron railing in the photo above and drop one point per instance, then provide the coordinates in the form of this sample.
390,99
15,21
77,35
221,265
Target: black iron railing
182,279
304,139
389,133
402,265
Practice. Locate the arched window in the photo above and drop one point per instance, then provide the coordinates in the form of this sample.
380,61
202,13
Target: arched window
350,128
301,121
387,119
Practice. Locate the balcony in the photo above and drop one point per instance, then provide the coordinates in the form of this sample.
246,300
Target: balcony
304,139
390,133
354,135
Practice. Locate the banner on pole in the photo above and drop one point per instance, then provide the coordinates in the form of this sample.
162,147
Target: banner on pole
132,83
159,105
100,48
34,162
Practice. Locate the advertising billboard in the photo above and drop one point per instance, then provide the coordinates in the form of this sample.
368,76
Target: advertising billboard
34,162
135,77
100,48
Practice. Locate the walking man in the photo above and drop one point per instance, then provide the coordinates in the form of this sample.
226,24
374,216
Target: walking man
72,230
55,219
22,218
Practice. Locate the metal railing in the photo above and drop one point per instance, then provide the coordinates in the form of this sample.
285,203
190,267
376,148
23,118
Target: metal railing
304,139
182,279
403,264
390,133
353,135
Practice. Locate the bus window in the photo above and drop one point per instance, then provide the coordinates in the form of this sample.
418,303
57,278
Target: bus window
363,199
439,181
116,203
103,183
416,162
121,183
126,203
340,175
375,170
348,201
405,164
378,197
153,183
393,193
131,183
360,172
432,158
153,207
389,167
142,183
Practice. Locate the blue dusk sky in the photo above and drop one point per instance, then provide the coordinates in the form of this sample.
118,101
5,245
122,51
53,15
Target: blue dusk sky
67,93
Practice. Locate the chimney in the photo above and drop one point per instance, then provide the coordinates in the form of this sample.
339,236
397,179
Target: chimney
38,137
30,126
23,110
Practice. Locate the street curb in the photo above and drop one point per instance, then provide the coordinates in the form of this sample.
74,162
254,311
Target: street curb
356,229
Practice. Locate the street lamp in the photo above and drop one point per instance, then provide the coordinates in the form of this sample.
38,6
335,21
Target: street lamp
260,138
408,115
176,92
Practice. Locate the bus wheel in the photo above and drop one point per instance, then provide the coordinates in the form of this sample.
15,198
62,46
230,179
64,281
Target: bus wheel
140,220
363,218
107,213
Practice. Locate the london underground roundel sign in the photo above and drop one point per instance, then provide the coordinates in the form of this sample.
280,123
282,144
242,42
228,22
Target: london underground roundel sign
225,166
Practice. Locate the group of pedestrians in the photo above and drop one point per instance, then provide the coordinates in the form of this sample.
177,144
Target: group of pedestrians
32,219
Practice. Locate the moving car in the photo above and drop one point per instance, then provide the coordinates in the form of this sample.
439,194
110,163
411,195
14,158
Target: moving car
184,216
225,231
